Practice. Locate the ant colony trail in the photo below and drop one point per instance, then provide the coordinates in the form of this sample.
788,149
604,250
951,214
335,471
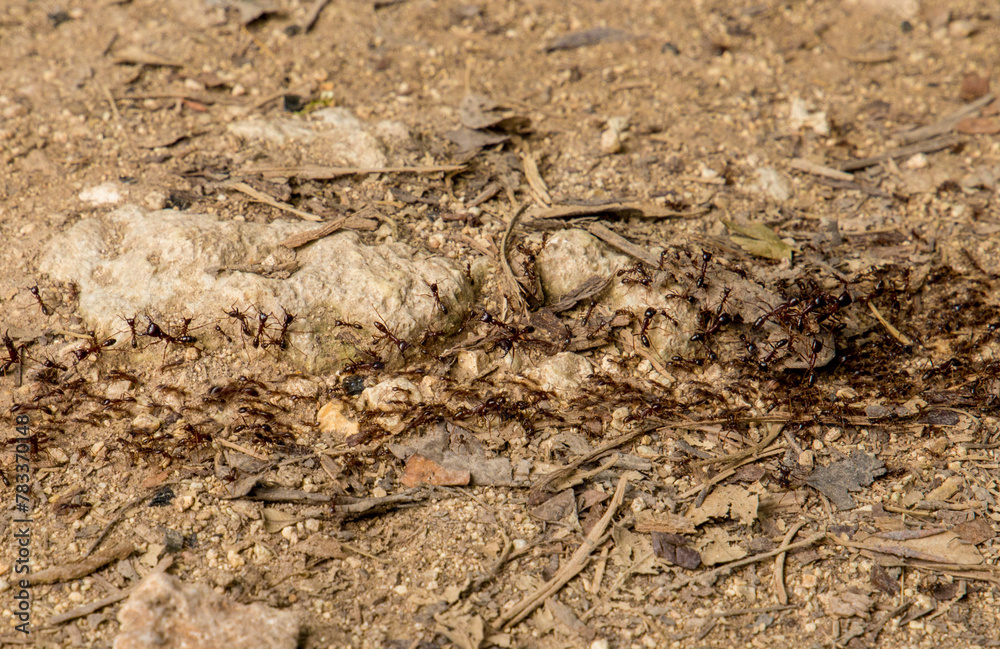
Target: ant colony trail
427,325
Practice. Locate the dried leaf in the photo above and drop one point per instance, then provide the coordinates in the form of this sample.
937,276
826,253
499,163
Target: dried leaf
422,470
836,480
760,240
633,552
729,501
846,604
945,547
276,520
557,507
647,521
975,531
673,549
979,126
717,547
322,547
585,38
470,140
466,631
880,579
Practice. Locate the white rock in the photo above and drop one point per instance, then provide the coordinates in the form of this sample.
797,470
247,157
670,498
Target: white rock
772,183
799,117
133,261
103,194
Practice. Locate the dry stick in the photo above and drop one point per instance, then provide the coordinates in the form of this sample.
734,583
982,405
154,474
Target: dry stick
576,563
87,609
619,242
779,564
812,540
514,286
264,198
637,210
317,172
745,453
901,337
114,521
313,16
935,144
242,449
801,164
84,567
535,180
702,490
561,474
946,124
303,238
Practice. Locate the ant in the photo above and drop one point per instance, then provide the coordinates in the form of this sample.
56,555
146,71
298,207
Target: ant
636,274
511,334
261,323
437,299
386,335
816,348
342,323
715,322
95,348
280,341
131,325
38,297
154,331
647,318
236,314
589,312
375,364
766,362
705,258
13,356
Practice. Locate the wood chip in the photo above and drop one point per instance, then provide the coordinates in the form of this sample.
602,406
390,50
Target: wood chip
318,172
535,180
619,242
946,124
264,198
935,144
802,164
78,569
303,238
620,210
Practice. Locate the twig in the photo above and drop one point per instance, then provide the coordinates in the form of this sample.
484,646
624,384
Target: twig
745,453
303,238
84,567
535,180
901,337
702,490
935,144
801,164
242,449
779,564
514,286
946,124
316,172
117,517
812,540
264,198
621,210
111,100
313,16
576,563
752,611
619,242
87,609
